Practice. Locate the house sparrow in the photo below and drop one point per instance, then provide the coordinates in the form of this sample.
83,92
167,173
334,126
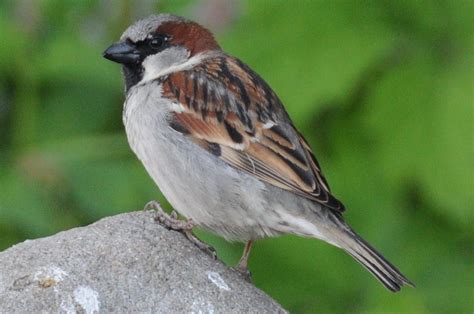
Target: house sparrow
219,144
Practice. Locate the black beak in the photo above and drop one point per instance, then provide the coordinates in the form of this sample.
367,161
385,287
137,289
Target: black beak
122,52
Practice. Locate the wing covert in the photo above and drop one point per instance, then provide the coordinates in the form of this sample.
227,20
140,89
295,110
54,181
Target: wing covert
228,110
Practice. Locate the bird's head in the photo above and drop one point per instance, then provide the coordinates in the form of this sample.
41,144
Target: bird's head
156,45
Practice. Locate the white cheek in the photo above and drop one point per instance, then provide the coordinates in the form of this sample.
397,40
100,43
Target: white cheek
163,62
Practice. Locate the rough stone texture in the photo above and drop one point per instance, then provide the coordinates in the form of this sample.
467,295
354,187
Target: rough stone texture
125,263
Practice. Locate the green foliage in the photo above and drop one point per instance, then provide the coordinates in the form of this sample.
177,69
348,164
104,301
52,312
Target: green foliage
383,90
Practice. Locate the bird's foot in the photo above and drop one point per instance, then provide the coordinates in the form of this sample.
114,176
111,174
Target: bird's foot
172,222
201,245
244,272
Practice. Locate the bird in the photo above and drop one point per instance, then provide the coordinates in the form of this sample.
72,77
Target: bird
219,144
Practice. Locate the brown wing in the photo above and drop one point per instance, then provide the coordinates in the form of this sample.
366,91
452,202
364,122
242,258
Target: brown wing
228,110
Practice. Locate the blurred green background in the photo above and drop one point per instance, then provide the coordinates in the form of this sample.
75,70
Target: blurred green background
383,90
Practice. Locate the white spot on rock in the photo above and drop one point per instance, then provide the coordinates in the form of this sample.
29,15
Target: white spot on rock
67,305
87,298
201,306
216,279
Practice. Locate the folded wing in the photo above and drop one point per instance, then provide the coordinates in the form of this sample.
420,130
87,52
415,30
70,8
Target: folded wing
228,110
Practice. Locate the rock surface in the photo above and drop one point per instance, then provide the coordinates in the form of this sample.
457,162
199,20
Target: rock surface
125,263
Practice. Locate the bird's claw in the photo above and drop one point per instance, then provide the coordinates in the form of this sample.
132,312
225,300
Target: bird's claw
201,245
244,272
171,221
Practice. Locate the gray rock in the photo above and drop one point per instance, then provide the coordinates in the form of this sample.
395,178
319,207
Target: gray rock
125,263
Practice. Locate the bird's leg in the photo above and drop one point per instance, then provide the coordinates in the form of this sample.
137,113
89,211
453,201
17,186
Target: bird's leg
242,267
171,221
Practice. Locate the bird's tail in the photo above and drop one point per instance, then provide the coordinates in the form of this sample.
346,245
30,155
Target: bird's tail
372,260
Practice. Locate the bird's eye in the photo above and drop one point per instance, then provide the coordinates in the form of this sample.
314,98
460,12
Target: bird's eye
157,42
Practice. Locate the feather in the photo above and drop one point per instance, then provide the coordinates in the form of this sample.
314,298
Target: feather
234,115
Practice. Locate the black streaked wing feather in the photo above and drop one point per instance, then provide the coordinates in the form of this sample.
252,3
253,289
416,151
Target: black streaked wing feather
241,118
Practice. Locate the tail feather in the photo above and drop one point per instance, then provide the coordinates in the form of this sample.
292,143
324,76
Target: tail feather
374,262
